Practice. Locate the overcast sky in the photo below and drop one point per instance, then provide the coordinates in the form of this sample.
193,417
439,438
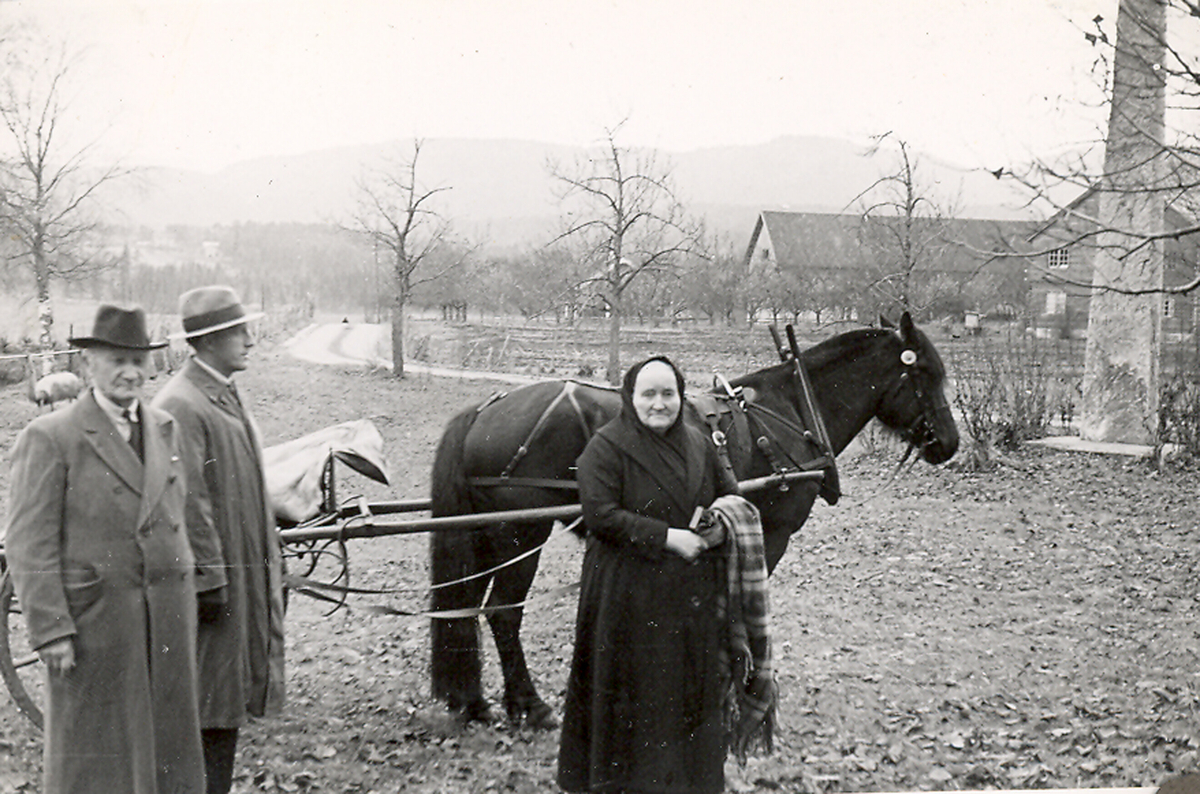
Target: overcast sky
203,83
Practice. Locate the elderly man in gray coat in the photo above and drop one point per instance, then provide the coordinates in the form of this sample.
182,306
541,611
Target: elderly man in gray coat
104,575
232,530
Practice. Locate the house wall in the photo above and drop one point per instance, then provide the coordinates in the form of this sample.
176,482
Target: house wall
1069,317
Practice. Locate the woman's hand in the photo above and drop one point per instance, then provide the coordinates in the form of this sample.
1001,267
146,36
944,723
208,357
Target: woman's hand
59,656
685,543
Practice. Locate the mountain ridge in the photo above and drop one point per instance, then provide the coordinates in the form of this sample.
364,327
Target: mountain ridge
500,192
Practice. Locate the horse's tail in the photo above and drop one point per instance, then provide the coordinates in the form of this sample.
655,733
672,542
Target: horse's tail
455,667
449,494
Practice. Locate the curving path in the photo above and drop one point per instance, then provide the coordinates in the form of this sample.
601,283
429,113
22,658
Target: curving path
370,345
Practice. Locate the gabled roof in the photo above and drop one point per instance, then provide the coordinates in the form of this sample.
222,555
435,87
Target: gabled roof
794,234
1173,216
831,240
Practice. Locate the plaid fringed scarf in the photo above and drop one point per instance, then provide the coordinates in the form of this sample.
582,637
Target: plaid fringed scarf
746,657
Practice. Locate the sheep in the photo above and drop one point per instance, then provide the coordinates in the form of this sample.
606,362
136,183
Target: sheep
56,387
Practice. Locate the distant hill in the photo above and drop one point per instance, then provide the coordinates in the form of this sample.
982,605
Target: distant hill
501,194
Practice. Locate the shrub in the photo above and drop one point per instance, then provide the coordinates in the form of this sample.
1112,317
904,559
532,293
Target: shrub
1011,388
1179,415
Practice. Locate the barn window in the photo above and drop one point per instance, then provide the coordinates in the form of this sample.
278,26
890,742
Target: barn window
1168,308
1056,302
1059,259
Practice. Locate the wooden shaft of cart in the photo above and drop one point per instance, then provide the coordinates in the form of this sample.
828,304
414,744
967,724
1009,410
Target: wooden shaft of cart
375,520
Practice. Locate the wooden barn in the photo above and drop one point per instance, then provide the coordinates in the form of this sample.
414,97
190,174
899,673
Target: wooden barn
952,264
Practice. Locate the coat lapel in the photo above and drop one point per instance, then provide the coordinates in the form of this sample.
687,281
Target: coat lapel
217,393
690,490
220,395
115,451
155,439
696,459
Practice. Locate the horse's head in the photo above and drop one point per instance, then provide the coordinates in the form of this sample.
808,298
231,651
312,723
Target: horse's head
913,400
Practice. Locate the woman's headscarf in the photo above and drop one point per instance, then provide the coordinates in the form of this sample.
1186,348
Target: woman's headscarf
669,449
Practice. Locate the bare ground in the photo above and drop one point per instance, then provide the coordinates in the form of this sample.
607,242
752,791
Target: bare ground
1033,627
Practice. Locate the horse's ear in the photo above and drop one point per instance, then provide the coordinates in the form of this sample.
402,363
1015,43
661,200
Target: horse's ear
885,322
907,329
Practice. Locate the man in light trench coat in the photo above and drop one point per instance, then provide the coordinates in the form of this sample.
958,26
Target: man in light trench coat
103,572
232,530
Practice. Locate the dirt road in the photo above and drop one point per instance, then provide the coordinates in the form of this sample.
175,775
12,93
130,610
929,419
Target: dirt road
367,345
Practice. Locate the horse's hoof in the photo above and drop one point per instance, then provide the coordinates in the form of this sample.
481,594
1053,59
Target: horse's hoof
479,711
476,711
539,717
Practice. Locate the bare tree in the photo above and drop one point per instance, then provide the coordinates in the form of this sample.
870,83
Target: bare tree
715,282
48,189
622,207
906,237
539,282
1159,51
396,213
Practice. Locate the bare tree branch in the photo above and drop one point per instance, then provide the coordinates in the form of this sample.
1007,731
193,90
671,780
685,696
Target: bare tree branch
1172,155
396,213
621,207
48,191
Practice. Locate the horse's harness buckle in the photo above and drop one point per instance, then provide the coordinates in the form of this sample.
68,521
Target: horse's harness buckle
735,394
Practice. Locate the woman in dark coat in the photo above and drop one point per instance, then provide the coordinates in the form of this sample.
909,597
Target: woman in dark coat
643,710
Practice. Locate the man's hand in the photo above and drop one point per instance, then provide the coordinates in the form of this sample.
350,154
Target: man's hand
59,656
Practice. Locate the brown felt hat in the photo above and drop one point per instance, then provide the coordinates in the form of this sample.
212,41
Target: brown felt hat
117,327
205,310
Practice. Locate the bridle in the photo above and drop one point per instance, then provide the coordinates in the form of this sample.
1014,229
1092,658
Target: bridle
921,431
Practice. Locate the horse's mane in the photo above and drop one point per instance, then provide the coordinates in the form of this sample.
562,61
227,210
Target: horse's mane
854,343
850,344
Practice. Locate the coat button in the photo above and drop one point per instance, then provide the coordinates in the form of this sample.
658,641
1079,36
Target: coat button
695,602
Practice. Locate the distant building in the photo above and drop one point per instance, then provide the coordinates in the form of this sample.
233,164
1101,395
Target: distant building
1060,278
840,255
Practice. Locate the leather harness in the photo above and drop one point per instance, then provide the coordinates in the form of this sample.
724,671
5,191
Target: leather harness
723,414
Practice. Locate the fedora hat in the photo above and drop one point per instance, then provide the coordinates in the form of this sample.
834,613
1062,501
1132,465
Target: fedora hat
117,327
205,310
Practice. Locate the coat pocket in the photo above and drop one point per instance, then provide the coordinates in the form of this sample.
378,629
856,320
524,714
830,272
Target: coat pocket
83,588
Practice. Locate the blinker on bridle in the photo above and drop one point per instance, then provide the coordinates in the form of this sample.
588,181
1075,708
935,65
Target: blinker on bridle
920,431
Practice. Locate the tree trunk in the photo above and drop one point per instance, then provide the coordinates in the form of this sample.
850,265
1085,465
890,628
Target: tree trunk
398,337
614,344
1121,365
45,306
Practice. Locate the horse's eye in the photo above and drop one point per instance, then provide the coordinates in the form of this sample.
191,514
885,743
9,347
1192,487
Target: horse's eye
908,358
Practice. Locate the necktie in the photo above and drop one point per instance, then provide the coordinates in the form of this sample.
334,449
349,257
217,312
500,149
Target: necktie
135,434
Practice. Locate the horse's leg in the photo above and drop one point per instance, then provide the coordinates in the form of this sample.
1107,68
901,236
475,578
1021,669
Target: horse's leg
455,664
511,586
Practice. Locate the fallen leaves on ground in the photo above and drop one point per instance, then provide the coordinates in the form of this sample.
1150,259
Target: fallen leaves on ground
1030,627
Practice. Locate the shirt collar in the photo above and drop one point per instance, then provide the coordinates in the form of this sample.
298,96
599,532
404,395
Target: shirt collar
116,412
209,369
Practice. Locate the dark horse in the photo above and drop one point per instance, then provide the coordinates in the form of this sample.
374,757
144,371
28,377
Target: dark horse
518,450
